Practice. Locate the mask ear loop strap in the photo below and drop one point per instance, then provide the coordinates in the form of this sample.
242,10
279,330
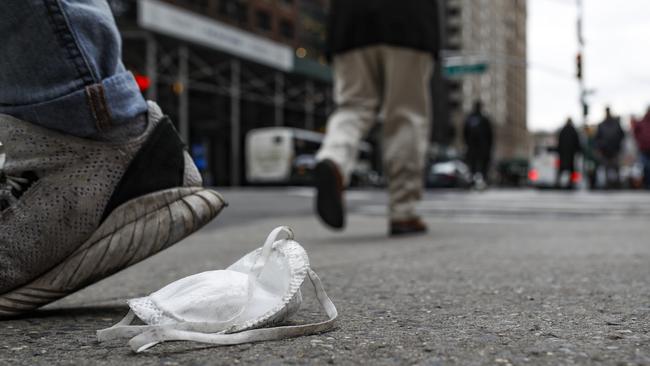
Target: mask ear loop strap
123,329
151,338
268,248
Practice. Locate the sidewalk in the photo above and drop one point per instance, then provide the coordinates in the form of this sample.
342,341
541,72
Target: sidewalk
547,292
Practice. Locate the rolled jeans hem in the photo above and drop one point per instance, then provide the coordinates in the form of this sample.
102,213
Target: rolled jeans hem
88,111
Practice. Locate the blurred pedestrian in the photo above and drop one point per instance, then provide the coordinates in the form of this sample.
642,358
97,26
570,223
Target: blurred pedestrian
609,143
642,136
383,53
590,156
568,147
478,137
92,177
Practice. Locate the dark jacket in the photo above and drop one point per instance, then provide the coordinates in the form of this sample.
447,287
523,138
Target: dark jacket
568,145
355,24
609,137
642,133
478,135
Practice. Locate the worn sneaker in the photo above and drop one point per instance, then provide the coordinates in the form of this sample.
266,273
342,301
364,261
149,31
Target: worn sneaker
329,194
74,211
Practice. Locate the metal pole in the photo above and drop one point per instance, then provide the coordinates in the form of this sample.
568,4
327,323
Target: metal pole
309,105
235,120
152,67
581,80
279,99
582,185
183,97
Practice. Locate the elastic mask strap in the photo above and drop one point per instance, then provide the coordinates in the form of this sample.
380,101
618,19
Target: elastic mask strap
123,329
268,247
152,337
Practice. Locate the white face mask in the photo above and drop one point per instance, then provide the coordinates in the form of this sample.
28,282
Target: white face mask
229,306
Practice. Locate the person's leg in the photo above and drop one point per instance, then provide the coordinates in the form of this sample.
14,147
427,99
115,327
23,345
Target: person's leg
75,210
595,174
488,164
558,177
645,161
572,173
61,68
357,90
616,172
472,161
484,165
611,173
357,94
406,128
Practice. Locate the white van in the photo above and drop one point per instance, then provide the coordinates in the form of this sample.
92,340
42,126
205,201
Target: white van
286,155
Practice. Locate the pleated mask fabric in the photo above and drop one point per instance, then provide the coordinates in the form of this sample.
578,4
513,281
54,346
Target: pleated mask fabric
241,304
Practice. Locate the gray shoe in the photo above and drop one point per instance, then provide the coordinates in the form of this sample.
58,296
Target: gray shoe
74,211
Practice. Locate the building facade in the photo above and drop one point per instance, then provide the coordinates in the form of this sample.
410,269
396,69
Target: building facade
493,33
221,68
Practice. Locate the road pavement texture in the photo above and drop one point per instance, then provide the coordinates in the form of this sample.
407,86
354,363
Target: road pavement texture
503,277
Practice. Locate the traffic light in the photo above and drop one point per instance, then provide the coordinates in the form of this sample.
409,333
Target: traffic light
143,81
579,66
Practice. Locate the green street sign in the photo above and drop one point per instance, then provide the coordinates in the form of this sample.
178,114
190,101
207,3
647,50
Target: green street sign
458,70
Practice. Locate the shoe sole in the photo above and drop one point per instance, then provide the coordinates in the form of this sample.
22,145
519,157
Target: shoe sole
407,232
329,203
134,231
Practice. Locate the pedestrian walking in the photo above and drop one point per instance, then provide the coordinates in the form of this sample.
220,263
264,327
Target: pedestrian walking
92,177
568,147
382,55
591,164
642,136
609,142
478,138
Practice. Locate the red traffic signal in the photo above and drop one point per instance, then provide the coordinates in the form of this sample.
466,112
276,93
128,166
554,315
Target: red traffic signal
143,82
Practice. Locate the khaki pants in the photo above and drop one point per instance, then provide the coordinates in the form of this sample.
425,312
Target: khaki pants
392,82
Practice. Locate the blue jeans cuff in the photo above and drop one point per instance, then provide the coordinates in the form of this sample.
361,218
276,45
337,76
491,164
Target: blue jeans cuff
88,111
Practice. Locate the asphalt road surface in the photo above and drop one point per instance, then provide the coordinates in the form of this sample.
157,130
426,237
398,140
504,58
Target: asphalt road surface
503,277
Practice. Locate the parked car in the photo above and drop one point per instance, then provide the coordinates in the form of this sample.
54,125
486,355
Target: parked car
544,165
452,173
287,156
512,172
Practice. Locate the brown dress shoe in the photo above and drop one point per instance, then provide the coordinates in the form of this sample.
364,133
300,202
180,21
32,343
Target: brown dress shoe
329,194
407,227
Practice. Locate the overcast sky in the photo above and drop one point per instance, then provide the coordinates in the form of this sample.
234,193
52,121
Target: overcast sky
616,59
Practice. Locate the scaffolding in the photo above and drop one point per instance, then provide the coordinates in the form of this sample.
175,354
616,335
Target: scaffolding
179,65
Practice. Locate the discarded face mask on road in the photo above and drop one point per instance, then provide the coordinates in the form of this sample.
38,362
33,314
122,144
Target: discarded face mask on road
233,306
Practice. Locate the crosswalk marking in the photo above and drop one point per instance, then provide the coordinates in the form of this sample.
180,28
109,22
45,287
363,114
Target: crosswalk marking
516,205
